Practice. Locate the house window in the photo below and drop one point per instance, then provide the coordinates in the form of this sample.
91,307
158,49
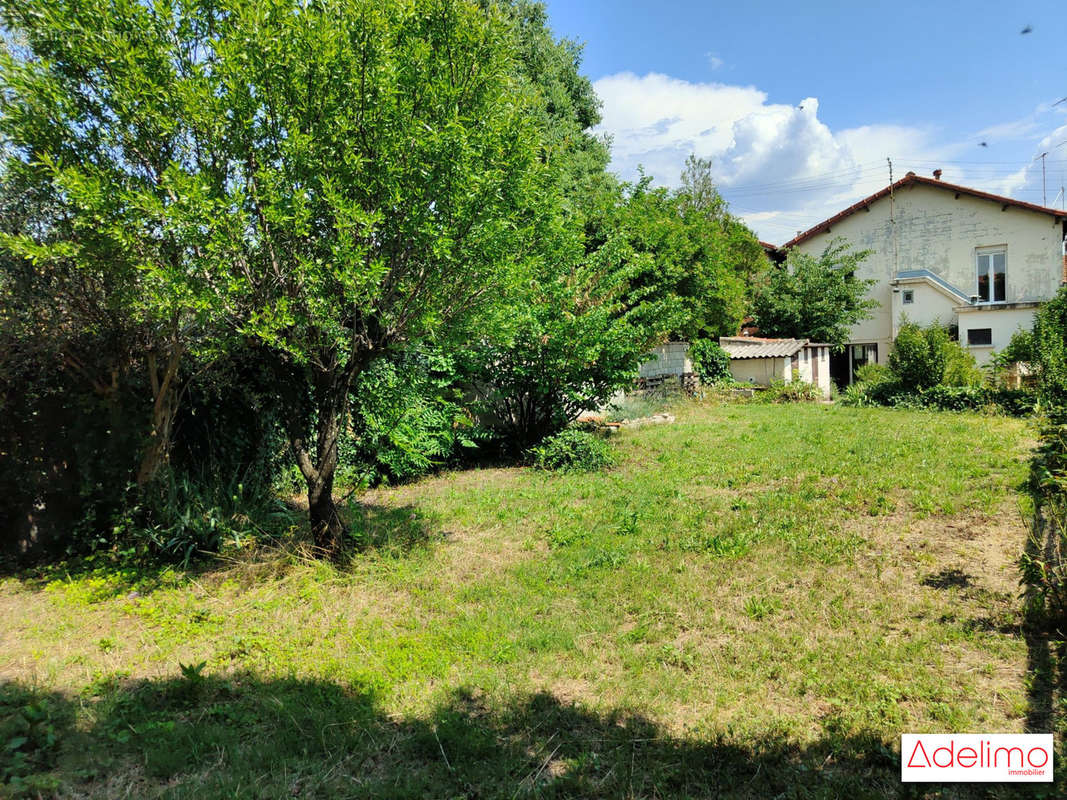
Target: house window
992,281
980,337
863,354
907,297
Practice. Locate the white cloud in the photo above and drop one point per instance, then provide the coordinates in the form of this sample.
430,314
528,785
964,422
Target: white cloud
714,61
780,166
1028,183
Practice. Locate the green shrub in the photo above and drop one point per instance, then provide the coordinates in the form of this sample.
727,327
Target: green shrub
1014,402
1044,563
792,392
710,361
960,367
873,373
1020,350
179,518
919,356
954,398
1049,342
407,419
856,395
31,724
572,450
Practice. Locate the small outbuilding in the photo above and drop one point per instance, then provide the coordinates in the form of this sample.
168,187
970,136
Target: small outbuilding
762,361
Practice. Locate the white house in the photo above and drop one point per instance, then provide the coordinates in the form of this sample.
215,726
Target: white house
762,361
948,254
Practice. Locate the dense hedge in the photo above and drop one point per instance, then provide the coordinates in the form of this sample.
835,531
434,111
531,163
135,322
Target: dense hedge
1014,402
928,369
1044,564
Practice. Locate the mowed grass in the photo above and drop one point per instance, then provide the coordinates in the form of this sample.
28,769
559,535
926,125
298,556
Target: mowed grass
755,602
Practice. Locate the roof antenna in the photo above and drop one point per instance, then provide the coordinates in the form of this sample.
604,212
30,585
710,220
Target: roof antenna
893,219
1044,191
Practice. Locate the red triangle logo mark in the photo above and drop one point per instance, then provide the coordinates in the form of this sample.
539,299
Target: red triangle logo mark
918,747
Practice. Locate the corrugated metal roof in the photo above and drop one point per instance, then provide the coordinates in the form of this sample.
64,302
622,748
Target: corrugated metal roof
756,347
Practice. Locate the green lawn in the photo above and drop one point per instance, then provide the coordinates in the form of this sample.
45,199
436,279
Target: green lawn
755,602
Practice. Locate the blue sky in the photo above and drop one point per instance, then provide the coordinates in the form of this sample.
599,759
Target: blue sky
799,104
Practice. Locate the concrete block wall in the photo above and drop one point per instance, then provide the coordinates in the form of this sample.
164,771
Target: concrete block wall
668,359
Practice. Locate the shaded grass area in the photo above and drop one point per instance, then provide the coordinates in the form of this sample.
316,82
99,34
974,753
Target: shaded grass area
241,736
756,602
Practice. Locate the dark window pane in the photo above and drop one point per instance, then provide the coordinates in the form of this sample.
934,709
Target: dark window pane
980,336
999,283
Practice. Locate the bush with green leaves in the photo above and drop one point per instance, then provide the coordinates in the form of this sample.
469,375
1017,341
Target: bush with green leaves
1019,350
1013,402
873,373
856,395
31,725
792,392
571,346
961,368
954,398
1049,350
572,450
407,418
710,361
918,357
1044,563
178,518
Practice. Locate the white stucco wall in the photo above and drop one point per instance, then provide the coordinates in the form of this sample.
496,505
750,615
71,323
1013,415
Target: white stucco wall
1003,323
929,305
761,371
937,231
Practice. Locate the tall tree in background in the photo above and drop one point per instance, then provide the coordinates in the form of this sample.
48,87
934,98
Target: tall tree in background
815,298
571,108
700,262
328,179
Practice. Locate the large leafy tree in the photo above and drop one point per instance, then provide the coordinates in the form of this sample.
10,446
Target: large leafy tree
572,342
815,298
326,179
700,261
571,109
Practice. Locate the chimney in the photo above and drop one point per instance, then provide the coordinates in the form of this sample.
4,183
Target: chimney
937,174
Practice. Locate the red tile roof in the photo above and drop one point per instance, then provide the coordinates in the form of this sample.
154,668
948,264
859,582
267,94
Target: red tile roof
907,180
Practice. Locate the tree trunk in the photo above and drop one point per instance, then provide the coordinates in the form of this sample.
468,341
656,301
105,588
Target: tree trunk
327,530
164,408
319,465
